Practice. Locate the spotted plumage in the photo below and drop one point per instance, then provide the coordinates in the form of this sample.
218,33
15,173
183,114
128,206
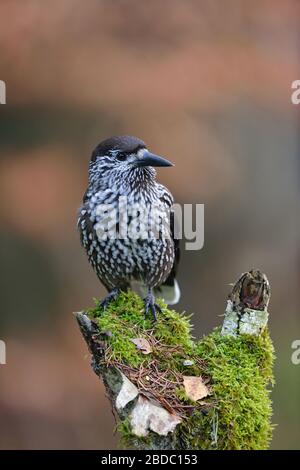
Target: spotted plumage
126,221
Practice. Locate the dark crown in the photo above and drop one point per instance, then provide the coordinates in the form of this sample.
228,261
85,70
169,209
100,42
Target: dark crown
124,143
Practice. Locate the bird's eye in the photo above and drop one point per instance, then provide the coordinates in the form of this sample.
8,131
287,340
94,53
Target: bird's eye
121,157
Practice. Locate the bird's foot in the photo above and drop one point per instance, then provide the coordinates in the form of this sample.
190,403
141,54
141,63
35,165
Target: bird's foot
151,306
113,295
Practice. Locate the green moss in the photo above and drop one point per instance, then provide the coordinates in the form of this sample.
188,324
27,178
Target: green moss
237,415
124,320
241,372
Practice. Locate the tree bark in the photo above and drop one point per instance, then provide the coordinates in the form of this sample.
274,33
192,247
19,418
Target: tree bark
149,423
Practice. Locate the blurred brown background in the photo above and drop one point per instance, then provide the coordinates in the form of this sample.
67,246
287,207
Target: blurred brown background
206,84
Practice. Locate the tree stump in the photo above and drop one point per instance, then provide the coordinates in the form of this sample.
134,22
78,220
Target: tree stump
168,391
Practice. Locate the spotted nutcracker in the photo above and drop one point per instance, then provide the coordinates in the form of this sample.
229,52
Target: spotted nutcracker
121,187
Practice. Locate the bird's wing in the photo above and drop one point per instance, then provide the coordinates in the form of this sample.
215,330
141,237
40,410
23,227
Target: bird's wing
176,242
169,290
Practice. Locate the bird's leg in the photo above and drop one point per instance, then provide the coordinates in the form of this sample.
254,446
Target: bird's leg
151,305
113,295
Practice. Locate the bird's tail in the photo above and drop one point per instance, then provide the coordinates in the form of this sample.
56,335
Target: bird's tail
169,292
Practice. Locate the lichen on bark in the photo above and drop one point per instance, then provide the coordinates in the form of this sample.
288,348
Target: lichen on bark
143,366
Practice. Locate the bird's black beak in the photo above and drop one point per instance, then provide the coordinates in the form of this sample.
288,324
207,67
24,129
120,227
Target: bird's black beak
150,159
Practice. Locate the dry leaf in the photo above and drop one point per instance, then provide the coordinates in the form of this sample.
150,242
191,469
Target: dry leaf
195,388
127,393
148,416
142,344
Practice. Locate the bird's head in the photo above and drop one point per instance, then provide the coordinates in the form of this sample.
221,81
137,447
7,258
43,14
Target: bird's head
123,157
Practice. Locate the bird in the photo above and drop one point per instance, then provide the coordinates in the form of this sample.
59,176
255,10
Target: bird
122,175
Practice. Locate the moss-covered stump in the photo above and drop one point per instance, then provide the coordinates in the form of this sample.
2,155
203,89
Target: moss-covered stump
171,392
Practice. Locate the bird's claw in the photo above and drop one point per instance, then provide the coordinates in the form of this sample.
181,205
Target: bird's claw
151,306
113,295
